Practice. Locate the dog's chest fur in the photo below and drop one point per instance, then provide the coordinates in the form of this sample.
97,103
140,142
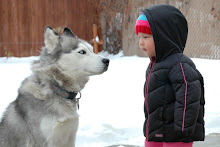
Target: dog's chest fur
57,117
60,129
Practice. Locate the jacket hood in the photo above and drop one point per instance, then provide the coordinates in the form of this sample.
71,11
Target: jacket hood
169,28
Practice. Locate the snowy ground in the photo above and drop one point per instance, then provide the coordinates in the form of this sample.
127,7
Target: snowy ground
111,108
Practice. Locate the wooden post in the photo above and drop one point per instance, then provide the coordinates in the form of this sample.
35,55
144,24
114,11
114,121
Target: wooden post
94,41
95,32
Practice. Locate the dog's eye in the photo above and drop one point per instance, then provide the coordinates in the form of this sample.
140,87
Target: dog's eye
82,52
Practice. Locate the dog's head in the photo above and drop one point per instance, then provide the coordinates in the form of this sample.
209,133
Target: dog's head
73,55
69,56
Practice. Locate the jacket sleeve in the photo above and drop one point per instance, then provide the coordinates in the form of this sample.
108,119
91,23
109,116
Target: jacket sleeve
187,87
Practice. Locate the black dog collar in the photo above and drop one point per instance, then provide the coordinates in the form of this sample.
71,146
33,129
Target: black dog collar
65,94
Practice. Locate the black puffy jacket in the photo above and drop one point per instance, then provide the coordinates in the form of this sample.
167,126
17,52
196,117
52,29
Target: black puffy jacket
174,89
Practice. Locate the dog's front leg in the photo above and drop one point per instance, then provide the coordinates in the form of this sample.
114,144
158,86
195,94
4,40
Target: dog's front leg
68,128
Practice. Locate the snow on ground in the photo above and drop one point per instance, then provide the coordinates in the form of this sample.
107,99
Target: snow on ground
111,107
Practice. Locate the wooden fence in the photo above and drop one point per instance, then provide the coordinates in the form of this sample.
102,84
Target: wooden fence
22,23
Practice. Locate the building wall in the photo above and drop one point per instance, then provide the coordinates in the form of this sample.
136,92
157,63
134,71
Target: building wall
203,18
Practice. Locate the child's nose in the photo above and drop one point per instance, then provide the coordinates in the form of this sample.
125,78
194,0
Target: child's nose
141,42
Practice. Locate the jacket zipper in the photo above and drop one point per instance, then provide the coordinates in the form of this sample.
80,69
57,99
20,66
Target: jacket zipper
146,92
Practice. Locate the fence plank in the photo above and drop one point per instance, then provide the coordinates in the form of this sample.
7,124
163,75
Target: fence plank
4,26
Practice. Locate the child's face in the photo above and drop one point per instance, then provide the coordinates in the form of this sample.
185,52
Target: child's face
146,44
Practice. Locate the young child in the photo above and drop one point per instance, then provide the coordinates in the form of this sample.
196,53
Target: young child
174,89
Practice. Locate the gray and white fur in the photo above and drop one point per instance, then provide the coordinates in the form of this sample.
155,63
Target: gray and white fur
39,117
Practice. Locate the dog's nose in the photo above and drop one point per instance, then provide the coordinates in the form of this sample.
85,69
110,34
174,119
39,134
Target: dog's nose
105,61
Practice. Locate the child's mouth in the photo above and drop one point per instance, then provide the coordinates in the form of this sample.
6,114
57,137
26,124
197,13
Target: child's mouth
144,49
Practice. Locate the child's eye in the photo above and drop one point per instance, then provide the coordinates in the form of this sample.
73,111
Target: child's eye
82,52
145,36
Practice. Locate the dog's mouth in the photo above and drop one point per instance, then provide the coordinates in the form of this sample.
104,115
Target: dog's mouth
105,69
97,71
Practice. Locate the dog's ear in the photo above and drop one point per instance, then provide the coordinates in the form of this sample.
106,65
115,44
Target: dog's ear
51,39
68,32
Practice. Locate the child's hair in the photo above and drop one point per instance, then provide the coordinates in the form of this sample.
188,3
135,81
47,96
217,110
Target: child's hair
142,25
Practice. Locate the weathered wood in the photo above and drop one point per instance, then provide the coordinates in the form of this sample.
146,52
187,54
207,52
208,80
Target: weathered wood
22,22
94,41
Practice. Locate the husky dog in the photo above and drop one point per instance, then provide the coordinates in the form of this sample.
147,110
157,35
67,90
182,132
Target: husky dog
45,111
